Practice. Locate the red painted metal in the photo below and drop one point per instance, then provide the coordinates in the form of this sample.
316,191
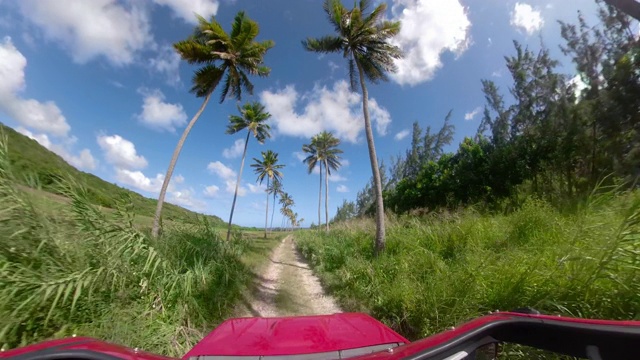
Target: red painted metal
86,343
300,335
295,335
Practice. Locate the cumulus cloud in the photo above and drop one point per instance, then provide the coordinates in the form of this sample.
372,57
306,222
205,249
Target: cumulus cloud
139,180
235,150
526,18
256,189
334,177
185,198
472,114
429,28
220,169
342,189
121,152
335,109
41,116
84,160
401,135
167,62
158,114
185,9
91,29
228,176
211,191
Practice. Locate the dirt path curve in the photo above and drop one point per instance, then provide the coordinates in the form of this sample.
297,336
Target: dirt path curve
288,287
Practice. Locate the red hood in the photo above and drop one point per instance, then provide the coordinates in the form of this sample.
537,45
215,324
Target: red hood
295,335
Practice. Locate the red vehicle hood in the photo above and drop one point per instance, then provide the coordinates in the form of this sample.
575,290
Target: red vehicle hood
295,335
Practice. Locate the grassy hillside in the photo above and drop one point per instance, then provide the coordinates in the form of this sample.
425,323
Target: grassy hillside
36,167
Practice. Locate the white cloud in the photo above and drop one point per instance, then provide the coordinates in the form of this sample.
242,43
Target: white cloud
167,62
472,114
401,135
235,150
139,181
337,109
220,169
121,152
257,189
211,191
185,198
89,29
45,117
525,17
185,9
342,189
158,114
429,27
578,86
84,160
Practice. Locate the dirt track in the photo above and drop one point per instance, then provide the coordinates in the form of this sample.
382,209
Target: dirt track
288,287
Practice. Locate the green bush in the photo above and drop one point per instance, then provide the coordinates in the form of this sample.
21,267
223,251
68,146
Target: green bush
443,269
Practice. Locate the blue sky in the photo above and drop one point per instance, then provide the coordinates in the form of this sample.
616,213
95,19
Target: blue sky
98,83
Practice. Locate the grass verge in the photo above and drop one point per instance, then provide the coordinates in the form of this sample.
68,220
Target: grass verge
441,270
94,273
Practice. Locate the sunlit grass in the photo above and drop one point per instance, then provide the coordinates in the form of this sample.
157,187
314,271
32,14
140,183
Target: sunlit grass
72,268
441,270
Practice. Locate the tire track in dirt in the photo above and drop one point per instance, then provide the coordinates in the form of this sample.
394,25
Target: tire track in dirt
288,287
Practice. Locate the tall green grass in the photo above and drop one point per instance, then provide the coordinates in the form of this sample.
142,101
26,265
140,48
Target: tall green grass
89,273
444,269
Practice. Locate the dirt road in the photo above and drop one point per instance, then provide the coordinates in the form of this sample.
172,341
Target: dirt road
288,287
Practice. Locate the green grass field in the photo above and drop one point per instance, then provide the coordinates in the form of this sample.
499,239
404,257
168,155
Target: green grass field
441,270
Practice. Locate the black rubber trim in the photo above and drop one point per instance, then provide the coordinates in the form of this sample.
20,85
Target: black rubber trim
55,353
568,338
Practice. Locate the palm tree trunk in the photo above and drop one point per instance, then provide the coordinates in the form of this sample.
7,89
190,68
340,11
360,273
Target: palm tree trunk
273,210
320,199
266,215
172,164
326,194
235,194
379,241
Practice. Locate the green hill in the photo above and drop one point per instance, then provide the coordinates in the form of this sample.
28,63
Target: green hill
35,166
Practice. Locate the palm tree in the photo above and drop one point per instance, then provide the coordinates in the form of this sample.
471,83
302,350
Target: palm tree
364,40
286,201
275,189
253,118
267,167
312,160
324,151
230,56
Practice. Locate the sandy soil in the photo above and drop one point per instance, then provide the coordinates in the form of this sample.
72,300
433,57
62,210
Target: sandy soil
288,287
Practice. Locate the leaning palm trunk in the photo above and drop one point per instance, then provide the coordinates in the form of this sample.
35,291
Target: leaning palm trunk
326,193
165,184
266,215
273,210
235,194
379,242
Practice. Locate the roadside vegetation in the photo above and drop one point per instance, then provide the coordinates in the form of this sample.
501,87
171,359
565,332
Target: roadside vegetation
95,273
446,268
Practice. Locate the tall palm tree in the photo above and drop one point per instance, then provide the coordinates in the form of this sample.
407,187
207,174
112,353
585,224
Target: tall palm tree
312,160
267,167
275,189
225,56
252,117
363,39
328,146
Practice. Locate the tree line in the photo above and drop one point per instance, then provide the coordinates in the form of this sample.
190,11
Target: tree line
545,136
